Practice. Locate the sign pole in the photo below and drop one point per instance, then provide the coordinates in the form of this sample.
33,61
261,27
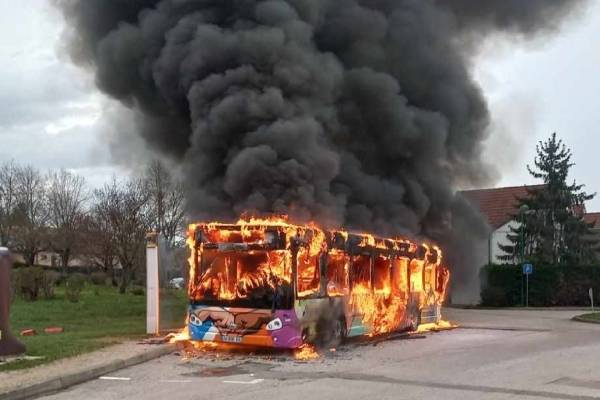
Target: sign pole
527,296
591,292
527,270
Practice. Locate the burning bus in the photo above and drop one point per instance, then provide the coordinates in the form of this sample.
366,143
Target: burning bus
272,283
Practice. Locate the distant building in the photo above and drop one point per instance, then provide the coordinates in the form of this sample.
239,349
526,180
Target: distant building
51,259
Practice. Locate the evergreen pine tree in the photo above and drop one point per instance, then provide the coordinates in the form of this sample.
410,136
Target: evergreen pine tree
554,230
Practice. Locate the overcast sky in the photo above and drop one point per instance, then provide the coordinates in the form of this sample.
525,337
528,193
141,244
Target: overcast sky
51,115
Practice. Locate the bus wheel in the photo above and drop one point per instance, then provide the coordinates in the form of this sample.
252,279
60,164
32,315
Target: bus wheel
331,333
416,320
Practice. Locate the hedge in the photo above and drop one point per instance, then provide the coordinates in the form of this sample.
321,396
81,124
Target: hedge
549,285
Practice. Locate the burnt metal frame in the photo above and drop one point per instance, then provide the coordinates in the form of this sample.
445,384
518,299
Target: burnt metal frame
335,239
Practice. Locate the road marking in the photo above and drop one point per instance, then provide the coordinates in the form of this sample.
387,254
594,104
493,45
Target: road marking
175,381
113,378
254,382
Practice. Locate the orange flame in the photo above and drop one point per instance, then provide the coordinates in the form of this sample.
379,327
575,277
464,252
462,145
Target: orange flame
442,325
306,352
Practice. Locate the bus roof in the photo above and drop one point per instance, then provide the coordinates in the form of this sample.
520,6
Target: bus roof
277,235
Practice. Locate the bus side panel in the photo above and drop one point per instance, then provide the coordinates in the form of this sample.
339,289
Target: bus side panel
357,327
310,310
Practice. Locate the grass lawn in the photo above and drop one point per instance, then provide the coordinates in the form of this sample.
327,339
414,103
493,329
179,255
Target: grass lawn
591,316
96,321
173,309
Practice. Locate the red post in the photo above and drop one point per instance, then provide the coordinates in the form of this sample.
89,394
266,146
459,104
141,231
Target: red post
9,346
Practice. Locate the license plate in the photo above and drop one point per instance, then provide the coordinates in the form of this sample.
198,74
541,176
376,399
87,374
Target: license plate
231,339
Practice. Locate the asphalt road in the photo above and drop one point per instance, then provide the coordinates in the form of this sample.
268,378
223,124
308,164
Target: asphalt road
496,355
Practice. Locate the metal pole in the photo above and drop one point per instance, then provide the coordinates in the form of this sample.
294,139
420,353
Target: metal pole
527,304
522,253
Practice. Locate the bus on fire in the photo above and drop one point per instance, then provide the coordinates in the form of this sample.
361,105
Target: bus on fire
270,283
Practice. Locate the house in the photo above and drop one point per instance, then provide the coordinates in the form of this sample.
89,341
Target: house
48,259
497,206
595,218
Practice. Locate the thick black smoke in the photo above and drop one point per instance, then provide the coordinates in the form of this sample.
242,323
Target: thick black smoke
356,113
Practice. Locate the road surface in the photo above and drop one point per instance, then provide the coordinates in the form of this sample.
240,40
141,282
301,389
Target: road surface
505,354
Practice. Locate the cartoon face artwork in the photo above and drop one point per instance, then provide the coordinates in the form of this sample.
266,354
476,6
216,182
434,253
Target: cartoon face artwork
207,323
245,326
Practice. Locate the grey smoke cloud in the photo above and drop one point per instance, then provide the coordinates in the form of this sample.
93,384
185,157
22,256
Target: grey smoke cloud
355,113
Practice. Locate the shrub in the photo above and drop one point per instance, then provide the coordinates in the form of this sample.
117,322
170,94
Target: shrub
48,283
138,291
549,285
98,278
75,285
31,280
495,297
15,283
96,290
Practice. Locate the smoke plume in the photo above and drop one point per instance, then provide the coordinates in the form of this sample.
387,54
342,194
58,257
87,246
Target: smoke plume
355,113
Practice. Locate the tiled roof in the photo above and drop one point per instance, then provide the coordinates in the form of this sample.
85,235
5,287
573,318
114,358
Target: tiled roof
593,217
498,204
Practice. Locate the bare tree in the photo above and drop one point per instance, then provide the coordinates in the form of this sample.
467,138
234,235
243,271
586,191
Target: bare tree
8,201
100,247
67,199
124,208
31,214
168,202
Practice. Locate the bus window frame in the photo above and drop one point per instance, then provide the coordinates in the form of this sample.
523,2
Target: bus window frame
368,253
390,261
325,272
322,293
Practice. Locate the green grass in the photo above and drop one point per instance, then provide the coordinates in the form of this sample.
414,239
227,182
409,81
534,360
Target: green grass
173,309
591,316
94,322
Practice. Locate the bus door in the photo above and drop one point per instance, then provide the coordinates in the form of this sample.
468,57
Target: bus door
443,277
400,284
361,266
400,278
429,284
416,281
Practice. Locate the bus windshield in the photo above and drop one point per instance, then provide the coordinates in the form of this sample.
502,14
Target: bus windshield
259,279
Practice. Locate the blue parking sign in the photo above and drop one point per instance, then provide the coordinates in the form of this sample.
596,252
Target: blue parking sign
527,269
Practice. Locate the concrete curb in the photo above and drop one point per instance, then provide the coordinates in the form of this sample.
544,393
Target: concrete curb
502,328
586,320
465,307
57,384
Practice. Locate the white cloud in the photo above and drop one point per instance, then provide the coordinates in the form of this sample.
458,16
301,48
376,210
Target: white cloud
68,123
547,86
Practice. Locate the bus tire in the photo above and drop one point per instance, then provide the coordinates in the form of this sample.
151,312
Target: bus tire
331,333
416,320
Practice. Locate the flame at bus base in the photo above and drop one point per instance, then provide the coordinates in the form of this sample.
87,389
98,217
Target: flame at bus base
266,282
